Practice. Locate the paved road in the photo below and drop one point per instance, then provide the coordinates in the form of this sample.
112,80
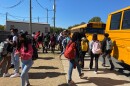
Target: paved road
105,77
49,70
46,71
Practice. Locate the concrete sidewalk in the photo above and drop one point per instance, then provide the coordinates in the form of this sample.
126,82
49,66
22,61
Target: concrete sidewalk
105,77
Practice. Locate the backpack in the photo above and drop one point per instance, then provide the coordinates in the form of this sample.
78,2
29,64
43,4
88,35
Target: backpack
64,42
39,38
4,47
84,46
70,50
96,47
109,44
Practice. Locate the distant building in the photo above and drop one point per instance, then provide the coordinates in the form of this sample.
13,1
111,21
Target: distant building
43,27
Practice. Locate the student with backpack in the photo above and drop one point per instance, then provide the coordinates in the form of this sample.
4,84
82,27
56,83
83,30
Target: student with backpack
95,51
7,49
60,39
65,41
72,51
107,47
84,48
15,57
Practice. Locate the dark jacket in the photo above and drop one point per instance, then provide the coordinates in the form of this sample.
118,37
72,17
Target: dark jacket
103,45
78,50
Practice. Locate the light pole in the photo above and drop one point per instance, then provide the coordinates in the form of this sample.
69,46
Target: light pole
54,8
30,24
6,16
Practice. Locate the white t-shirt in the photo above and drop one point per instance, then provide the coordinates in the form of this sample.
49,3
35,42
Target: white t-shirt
15,38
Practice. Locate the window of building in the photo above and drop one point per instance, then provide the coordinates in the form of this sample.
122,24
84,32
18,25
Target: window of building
126,20
115,21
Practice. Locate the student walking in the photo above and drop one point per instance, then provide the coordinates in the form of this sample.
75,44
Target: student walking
65,41
15,57
6,56
25,50
75,61
84,48
107,47
95,51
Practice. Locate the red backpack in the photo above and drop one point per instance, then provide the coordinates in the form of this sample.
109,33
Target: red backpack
70,51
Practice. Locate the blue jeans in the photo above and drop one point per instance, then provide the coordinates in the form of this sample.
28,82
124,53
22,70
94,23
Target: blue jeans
72,63
26,65
16,63
12,60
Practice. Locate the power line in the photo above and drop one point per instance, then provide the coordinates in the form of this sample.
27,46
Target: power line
2,13
20,17
17,16
40,5
14,5
44,8
14,17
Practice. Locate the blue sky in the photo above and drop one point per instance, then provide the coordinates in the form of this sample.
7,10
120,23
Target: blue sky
68,12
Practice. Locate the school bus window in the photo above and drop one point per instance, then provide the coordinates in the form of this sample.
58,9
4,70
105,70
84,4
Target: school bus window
126,20
115,21
95,30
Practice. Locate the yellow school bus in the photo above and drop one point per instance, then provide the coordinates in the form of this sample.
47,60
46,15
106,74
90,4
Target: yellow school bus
91,28
118,27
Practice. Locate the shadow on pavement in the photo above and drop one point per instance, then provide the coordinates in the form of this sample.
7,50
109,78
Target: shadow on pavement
101,81
40,75
102,70
65,84
124,69
46,58
44,67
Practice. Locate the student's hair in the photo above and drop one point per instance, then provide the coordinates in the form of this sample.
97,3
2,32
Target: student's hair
26,33
25,42
106,35
11,29
83,34
94,37
68,32
76,36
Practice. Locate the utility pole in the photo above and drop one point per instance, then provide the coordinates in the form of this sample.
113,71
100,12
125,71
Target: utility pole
54,7
30,24
47,14
6,20
6,16
38,19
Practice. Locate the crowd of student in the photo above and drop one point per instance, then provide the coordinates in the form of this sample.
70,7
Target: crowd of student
25,46
21,45
17,45
81,44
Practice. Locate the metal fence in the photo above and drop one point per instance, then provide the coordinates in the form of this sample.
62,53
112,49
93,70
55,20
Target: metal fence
4,35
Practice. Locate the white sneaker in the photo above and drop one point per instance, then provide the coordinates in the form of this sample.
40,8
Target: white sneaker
95,72
6,75
15,75
89,69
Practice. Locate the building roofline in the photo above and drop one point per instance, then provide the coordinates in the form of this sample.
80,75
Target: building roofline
26,22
